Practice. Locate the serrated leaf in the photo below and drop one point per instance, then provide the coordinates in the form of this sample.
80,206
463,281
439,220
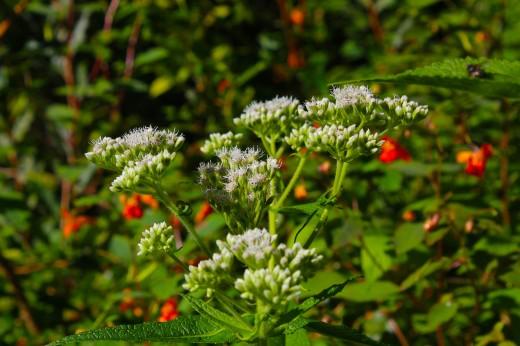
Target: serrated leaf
310,302
218,316
341,332
299,338
190,329
498,78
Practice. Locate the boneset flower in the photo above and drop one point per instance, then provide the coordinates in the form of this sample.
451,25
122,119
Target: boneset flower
342,143
219,141
212,273
273,273
269,119
141,155
239,186
157,239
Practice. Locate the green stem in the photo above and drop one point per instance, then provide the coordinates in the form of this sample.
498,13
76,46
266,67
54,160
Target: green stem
341,172
266,145
273,212
163,197
178,260
342,175
280,151
339,167
292,182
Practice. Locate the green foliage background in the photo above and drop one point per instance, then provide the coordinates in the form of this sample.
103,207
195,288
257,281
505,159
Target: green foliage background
71,71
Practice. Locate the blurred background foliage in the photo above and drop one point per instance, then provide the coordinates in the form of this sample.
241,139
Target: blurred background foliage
438,249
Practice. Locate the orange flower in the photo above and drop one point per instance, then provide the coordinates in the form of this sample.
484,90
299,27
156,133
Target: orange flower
72,223
204,212
408,216
127,302
300,192
324,167
223,85
392,151
475,160
297,16
133,205
169,310
150,201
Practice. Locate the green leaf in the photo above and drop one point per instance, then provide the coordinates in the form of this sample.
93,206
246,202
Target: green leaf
310,302
218,316
439,313
496,246
301,209
161,85
341,332
369,291
299,338
408,236
499,78
191,329
374,255
425,270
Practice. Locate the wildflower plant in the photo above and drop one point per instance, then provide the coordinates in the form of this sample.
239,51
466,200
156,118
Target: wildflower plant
252,282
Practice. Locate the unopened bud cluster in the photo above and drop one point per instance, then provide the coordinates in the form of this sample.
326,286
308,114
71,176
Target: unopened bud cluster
342,143
348,125
142,156
219,141
239,186
211,274
273,273
270,119
156,240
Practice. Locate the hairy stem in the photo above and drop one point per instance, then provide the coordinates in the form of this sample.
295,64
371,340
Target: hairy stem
341,172
163,197
178,260
273,212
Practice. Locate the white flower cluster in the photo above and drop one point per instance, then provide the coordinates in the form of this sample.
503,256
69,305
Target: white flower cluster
348,125
135,172
270,119
404,112
218,141
239,186
254,248
212,273
342,143
351,95
158,238
140,155
275,284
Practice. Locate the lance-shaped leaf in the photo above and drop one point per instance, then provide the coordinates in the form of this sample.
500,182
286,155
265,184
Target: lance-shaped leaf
189,329
353,337
488,77
218,316
285,323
